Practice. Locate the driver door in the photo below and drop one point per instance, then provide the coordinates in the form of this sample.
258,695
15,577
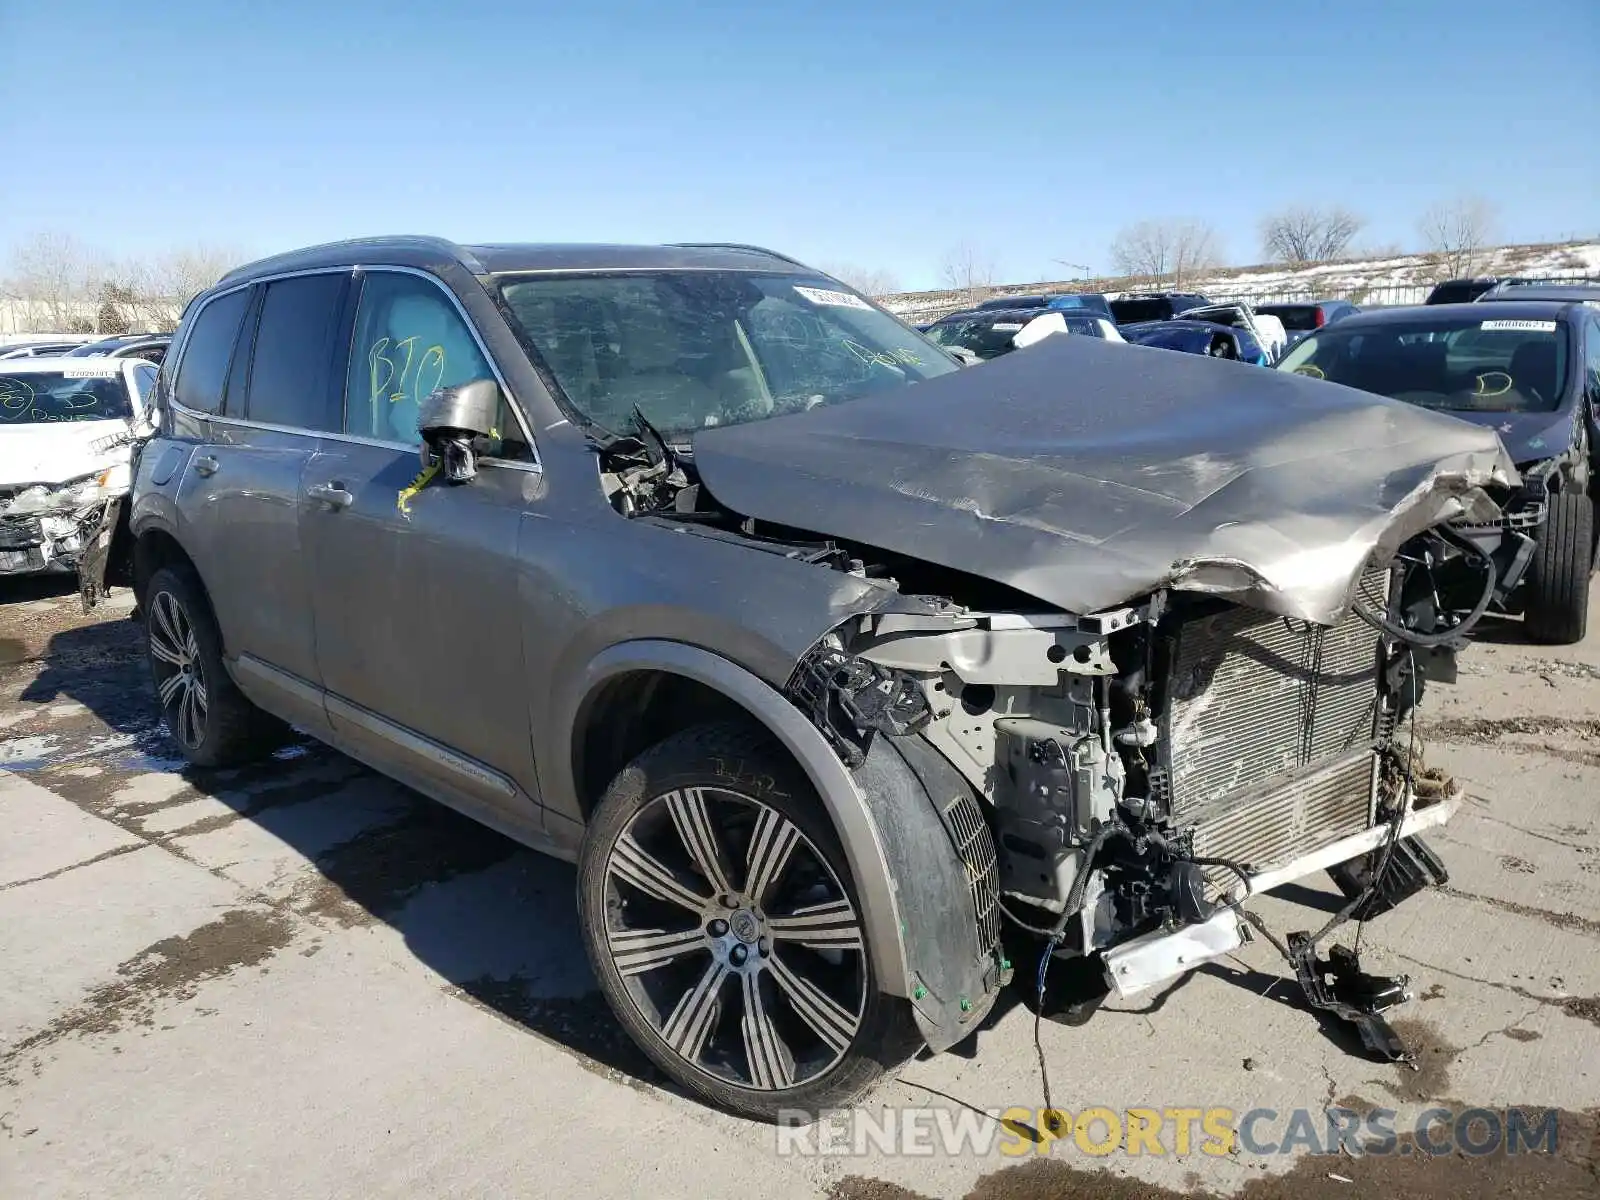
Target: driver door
416,608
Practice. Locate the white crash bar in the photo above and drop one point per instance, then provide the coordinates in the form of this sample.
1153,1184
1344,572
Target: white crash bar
1151,960
1351,847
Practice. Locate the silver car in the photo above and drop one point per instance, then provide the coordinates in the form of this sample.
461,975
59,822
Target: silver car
823,657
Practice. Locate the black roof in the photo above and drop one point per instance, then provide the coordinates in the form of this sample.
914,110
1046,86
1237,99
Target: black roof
1483,310
431,253
991,314
1588,291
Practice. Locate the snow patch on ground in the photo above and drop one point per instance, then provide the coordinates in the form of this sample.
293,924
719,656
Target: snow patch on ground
1396,279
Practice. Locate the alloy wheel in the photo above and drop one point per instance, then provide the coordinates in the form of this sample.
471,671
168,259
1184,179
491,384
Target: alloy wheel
179,674
734,938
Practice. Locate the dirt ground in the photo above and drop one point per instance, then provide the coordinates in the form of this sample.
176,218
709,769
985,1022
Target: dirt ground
300,978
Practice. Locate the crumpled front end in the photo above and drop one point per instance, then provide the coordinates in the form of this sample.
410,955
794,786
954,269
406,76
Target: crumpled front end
1143,770
47,527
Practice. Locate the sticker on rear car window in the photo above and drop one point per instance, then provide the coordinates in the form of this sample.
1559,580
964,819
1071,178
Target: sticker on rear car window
835,299
1531,326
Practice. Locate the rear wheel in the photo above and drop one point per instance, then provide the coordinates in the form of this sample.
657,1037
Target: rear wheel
1557,607
210,719
719,917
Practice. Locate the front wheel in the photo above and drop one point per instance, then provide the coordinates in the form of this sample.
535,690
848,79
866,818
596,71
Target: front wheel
1557,609
718,914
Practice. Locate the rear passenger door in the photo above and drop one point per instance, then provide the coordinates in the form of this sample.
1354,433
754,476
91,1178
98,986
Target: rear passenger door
243,490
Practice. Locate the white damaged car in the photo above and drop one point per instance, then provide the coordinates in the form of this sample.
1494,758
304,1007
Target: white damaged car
66,429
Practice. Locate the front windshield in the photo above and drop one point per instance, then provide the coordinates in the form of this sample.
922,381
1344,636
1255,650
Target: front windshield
46,397
1458,364
985,337
696,349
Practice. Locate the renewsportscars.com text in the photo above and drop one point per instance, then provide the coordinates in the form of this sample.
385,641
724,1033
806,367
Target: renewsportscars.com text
1099,1131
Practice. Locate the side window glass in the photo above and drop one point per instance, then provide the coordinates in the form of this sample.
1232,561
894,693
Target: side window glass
409,340
205,357
291,370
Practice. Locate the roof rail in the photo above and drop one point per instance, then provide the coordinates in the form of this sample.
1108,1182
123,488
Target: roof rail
439,245
739,246
1549,281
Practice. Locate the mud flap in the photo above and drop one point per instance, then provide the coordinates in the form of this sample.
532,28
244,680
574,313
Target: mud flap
941,858
103,547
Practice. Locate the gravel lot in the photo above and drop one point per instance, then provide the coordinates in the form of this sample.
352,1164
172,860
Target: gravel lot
302,979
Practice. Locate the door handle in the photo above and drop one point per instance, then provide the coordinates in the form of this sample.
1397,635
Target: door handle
206,465
331,494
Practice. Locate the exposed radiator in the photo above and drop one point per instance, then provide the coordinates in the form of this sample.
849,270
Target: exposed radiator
1266,740
1271,828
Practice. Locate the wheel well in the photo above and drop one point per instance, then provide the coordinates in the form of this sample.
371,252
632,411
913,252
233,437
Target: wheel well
633,712
154,550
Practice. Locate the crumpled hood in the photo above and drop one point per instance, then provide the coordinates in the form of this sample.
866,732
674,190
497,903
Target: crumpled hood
1527,436
1088,475
56,451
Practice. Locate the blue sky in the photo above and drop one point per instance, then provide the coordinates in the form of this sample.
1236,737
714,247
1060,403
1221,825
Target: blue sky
880,135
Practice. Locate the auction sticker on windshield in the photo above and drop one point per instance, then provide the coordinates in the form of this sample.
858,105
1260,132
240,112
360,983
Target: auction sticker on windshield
92,371
837,299
1533,326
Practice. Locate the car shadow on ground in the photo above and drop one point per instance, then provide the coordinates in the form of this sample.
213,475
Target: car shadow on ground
495,921
17,589
1500,631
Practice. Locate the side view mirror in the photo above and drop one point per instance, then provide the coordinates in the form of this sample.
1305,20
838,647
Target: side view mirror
456,423
962,355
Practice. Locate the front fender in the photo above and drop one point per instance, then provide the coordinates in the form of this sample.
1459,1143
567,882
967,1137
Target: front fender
843,800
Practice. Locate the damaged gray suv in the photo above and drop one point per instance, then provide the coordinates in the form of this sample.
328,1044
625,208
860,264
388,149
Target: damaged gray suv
838,668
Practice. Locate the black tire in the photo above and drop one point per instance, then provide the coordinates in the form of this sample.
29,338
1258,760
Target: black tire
1556,612
206,714
733,791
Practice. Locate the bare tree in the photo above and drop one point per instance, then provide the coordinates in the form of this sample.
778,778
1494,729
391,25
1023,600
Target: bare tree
965,268
168,283
52,278
1175,249
1456,233
1305,234
869,281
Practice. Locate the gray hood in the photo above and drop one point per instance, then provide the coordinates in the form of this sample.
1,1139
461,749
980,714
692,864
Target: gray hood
1088,474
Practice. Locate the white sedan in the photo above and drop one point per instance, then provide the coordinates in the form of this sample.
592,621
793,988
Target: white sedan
67,426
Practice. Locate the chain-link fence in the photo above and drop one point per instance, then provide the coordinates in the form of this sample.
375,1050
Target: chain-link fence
1366,295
